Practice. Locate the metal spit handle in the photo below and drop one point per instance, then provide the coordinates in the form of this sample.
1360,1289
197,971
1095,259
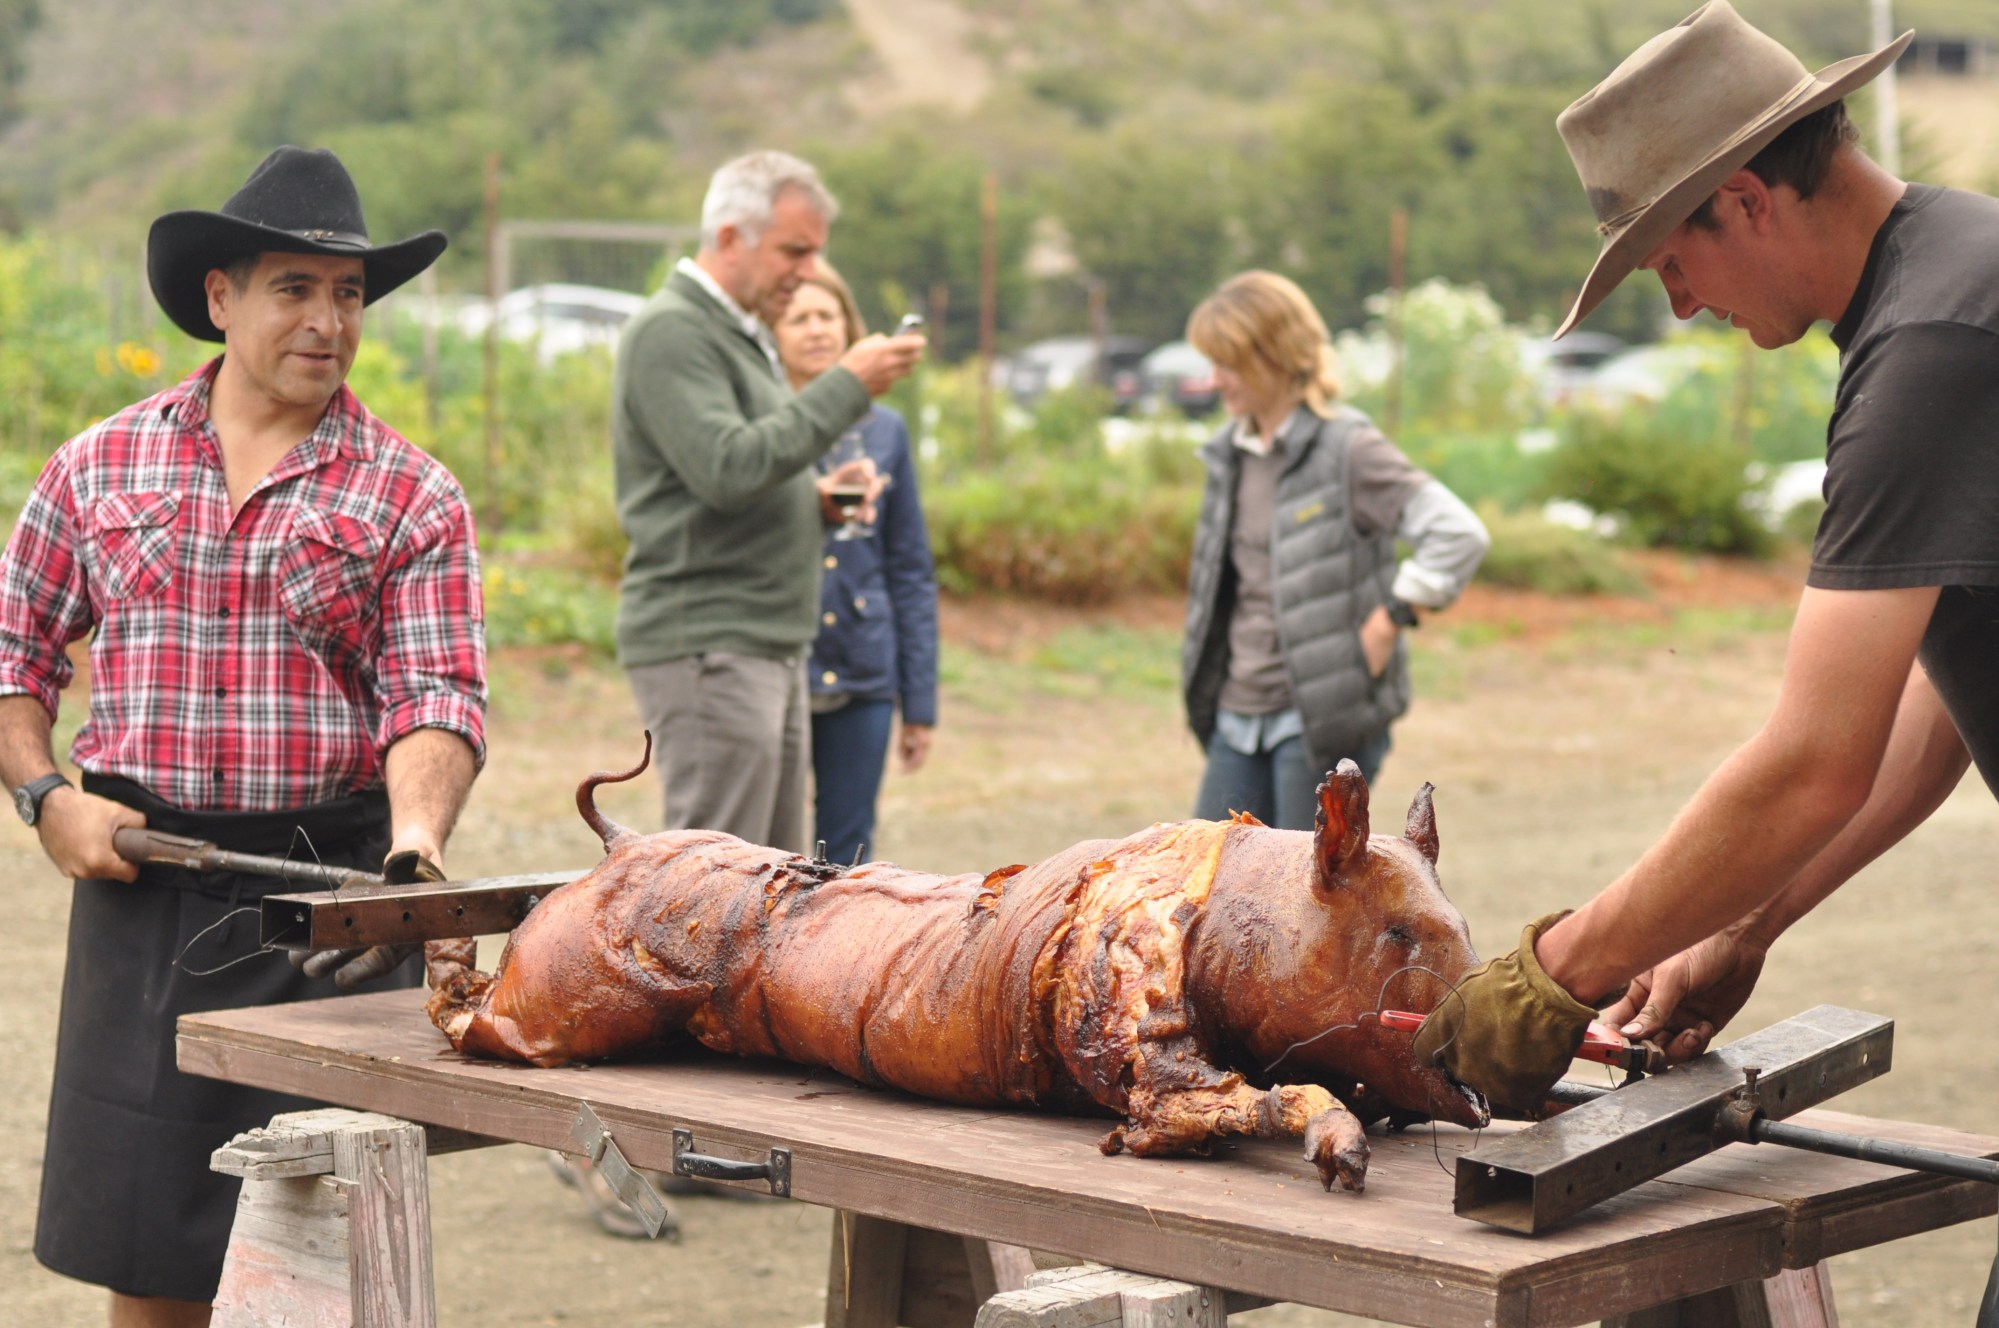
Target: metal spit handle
139,845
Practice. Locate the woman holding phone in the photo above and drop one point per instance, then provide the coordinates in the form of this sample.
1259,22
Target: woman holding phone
877,644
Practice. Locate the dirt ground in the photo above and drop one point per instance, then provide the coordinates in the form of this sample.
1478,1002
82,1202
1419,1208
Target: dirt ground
1561,738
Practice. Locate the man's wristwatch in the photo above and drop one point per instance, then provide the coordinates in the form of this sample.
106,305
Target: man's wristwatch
28,797
1401,612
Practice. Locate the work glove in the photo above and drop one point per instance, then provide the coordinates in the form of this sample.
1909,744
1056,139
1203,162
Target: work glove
351,968
1508,1030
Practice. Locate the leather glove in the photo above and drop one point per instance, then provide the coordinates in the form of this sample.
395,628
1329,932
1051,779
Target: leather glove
351,968
1508,1031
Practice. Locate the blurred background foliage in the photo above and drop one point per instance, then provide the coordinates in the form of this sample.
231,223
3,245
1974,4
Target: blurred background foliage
1142,151
1165,144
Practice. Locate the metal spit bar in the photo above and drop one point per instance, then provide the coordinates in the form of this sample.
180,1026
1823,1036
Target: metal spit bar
1885,1151
380,914
1542,1175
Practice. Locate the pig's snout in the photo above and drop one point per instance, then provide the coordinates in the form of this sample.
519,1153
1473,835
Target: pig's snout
1460,1104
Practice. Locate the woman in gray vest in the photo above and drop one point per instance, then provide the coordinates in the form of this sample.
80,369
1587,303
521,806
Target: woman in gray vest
1296,603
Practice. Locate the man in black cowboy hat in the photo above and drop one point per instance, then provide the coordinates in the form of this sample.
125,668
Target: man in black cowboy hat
1715,160
287,659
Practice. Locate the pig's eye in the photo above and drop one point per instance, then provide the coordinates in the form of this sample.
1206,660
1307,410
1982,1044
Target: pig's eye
1399,934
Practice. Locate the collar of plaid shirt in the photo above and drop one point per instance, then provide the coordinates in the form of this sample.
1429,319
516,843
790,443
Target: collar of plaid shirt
346,428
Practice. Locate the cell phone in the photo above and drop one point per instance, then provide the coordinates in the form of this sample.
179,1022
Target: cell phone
910,323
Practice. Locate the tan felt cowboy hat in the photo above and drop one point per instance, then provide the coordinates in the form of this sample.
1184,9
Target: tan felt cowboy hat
297,201
1687,110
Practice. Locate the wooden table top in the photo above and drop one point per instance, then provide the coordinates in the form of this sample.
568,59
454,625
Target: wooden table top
1252,1218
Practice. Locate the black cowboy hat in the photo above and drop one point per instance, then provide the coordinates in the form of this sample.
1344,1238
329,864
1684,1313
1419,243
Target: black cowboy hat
298,201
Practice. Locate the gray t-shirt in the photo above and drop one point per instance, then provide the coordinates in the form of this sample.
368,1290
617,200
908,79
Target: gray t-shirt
1912,452
1382,480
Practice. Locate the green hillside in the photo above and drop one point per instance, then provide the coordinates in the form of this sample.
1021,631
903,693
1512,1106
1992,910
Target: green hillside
1151,146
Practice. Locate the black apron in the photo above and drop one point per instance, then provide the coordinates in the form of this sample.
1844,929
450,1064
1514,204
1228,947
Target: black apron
128,1201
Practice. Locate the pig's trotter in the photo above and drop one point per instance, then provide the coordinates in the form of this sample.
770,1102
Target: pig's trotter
1336,1144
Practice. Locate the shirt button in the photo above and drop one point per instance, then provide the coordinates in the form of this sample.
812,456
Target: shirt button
221,692
828,619
218,776
225,610
829,677
860,601
831,562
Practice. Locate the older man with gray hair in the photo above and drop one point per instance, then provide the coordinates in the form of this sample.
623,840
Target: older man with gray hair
715,487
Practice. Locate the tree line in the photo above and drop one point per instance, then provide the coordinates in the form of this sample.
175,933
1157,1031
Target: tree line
1145,149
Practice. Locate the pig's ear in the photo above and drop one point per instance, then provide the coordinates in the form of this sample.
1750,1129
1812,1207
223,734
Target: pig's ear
1422,831
1339,830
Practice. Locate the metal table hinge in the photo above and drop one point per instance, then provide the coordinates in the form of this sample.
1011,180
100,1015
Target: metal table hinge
776,1168
594,1139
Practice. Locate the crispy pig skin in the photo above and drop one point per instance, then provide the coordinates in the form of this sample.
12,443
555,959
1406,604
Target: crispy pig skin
1076,983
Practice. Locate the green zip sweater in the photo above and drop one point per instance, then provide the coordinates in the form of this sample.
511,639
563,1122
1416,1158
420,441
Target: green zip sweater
713,455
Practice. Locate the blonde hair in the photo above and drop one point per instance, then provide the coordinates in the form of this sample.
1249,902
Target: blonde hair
827,278
1263,316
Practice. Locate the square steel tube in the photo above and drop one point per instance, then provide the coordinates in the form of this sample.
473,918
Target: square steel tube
1548,1172
383,914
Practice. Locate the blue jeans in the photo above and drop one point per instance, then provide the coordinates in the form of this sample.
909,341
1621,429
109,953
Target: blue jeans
1278,786
849,749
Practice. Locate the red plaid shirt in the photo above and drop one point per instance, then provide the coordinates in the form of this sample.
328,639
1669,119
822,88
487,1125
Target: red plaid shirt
258,662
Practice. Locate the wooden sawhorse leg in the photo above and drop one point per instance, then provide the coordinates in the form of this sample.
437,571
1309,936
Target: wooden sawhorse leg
887,1275
332,1227
1794,1298
1093,1296
884,1274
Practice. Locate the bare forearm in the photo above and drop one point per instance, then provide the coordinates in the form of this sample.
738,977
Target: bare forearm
1747,833
75,827
1772,807
428,772
25,752
1926,758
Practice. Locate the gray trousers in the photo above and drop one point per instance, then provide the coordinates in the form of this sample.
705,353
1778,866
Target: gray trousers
732,737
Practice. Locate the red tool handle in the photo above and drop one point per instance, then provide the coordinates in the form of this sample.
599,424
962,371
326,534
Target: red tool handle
1601,1043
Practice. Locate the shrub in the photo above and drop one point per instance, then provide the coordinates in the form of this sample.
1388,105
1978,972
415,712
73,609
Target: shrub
1530,552
1776,402
1050,514
1073,531
1674,490
1800,525
1480,467
530,605
555,419
62,366
1462,369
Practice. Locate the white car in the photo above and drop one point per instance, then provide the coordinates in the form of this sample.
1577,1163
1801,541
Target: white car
1644,374
557,318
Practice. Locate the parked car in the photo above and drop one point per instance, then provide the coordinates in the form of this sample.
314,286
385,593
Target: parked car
561,318
1561,369
1176,376
1644,374
1063,362
557,318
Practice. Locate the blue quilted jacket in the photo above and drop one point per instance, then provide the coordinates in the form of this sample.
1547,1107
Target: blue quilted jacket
878,596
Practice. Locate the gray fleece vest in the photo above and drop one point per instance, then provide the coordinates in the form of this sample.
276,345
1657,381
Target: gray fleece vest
1327,578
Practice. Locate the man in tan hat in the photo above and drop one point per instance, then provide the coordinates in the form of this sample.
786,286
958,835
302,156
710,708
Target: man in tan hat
1713,158
282,600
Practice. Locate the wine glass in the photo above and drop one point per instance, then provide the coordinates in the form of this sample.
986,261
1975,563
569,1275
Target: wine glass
848,498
